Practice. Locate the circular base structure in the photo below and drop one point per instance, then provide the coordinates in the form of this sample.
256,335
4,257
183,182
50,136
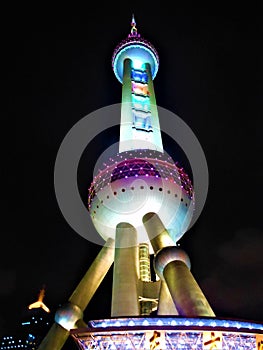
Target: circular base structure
170,333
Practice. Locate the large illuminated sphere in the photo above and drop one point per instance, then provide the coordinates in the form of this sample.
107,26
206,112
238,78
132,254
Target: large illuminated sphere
135,183
139,50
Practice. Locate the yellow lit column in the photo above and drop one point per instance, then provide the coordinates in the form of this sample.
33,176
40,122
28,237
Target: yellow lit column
144,262
125,272
145,276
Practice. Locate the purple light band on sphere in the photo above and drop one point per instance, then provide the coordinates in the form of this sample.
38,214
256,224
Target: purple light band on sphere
159,167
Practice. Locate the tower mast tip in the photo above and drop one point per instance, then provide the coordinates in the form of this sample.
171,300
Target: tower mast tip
133,27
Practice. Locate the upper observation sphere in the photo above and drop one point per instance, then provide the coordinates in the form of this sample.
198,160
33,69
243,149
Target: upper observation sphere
139,50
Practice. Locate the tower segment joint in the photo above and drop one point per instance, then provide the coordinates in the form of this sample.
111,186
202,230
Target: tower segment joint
68,315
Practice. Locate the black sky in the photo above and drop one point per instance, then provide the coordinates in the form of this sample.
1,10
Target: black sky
58,69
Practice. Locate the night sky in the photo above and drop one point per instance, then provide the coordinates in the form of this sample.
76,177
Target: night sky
58,69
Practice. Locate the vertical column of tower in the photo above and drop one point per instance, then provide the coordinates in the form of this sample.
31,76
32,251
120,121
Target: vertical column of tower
125,272
144,262
141,124
140,128
126,107
157,138
145,276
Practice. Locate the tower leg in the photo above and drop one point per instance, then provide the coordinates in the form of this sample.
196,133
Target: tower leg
170,265
125,273
187,295
55,339
157,233
94,276
79,299
166,305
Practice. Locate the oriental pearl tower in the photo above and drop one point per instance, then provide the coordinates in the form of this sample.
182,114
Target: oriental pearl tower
141,203
142,200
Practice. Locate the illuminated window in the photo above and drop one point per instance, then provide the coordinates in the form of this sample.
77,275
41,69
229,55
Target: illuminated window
142,121
140,89
139,76
141,105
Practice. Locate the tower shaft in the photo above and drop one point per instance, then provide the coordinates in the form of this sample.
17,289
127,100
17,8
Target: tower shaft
140,128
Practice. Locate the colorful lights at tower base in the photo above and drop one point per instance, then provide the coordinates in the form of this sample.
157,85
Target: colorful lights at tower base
170,333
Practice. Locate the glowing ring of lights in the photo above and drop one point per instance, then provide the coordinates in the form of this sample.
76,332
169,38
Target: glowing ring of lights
126,168
190,333
196,322
129,46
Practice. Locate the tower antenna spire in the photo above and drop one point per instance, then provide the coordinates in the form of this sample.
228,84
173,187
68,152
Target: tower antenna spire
133,26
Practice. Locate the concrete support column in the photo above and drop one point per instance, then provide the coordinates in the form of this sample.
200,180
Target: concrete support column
55,339
79,299
157,233
173,266
126,108
125,273
94,276
157,138
187,295
166,305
